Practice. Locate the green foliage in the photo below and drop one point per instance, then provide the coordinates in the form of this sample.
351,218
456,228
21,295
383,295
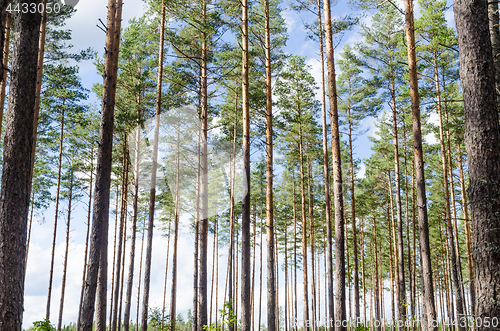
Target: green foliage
43,325
226,314
156,319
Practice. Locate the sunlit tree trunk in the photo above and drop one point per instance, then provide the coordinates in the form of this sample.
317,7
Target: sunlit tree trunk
340,306
271,290
429,311
99,236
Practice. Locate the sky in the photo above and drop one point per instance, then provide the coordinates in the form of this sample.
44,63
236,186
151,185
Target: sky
87,34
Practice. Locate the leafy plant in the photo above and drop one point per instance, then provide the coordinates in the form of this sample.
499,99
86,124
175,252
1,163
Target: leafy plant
43,325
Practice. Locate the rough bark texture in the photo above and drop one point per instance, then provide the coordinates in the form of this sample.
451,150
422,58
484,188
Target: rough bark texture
203,240
340,306
482,141
271,291
245,212
100,217
17,171
429,310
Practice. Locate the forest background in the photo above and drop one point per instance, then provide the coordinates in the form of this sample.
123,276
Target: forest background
86,34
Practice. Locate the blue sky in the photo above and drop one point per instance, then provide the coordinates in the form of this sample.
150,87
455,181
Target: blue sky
86,34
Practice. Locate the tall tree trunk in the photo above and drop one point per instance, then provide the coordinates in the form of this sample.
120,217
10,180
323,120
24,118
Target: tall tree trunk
401,286
468,240
429,311
17,171
340,307
375,276
5,63
271,268
123,268
39,76
100,219
245,213
173,292
152,197
56,214
353,208
311,242
296,314
166,276
304,231
123,220
118,200
481,129
130,277
88,233
196,236
139,285
65,263
202,287
326,172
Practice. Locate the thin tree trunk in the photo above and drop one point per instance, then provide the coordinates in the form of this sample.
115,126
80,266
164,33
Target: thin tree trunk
166,276
130,277
245,216
375,276
353,208
99,236
39,76
304,232
468,240
123,220
340,307
202,287
429,311
173,292
114,254
65,263
311,242
88,232
123,269
56,214
29,229
196,237
139,285
271,268
400,276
